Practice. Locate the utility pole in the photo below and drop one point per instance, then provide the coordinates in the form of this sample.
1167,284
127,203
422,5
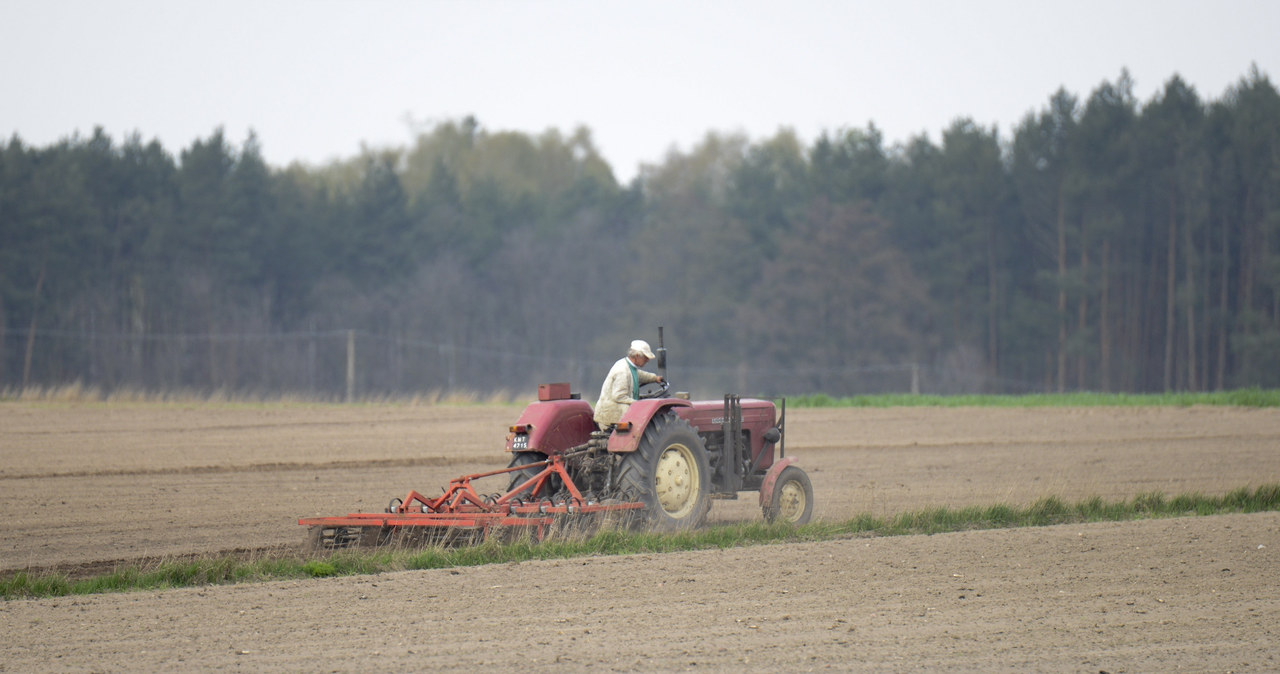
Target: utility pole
351,365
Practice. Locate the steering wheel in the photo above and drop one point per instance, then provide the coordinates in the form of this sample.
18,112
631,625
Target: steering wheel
654,389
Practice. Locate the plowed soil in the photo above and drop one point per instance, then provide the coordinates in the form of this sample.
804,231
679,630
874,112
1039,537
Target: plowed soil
94,485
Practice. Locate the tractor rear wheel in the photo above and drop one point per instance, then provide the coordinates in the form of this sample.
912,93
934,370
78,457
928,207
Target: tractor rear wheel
670,473
519,477
792,500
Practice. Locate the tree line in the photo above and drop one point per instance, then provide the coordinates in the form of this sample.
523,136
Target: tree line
1105,244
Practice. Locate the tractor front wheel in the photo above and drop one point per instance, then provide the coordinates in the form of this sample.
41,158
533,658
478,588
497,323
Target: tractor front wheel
670,473
792,500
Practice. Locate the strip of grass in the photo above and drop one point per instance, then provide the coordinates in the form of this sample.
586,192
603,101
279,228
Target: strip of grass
1047,511
1241,398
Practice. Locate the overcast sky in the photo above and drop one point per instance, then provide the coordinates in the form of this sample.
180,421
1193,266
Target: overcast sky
318,80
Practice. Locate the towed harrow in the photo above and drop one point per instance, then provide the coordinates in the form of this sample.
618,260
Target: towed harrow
462,514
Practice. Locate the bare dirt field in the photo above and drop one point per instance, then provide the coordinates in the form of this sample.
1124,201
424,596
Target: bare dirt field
97,484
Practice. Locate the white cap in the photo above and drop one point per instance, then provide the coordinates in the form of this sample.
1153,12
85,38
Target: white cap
642,347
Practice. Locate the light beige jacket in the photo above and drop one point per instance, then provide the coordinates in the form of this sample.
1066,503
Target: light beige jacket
615,395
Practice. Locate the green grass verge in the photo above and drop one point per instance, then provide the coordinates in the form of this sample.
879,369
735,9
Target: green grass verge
1047,511
1240,398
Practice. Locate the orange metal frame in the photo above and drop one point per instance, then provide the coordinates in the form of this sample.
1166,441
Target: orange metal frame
462,506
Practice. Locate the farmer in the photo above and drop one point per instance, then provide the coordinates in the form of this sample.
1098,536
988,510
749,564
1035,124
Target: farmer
622,386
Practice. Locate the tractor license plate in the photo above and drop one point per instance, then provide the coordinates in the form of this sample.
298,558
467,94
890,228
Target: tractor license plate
520,442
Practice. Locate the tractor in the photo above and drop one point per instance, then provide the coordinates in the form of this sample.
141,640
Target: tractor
660,467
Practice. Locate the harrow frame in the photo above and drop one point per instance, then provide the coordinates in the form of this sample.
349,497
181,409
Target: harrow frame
462,507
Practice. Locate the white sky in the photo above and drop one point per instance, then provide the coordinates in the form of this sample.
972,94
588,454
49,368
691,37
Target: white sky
317,80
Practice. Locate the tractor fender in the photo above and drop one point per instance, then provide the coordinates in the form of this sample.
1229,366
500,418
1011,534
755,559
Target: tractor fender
639,414
552,427
771,479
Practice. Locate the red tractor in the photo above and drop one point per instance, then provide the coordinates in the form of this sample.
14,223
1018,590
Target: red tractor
662,464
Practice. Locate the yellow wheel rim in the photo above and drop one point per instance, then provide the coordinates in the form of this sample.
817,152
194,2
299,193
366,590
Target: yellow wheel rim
677,481
791,501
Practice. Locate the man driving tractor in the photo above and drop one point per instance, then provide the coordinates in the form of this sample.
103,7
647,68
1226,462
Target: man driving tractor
622,385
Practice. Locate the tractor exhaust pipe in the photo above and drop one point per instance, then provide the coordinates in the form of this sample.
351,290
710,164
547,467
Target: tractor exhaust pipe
661,353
